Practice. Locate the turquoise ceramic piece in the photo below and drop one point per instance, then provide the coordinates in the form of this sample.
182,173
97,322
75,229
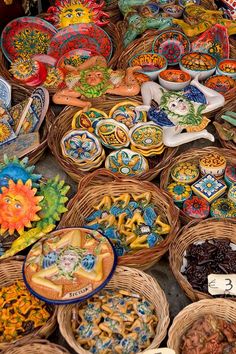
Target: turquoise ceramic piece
230,175
232,193
223,208
209,188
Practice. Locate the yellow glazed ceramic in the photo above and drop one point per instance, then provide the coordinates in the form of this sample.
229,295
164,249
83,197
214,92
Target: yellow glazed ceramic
186,172
124,112
213,164
88,120
146,136
113,135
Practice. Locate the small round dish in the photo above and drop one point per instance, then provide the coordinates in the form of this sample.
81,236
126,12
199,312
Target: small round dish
196,207
152,64
172,45
227,67
146,136
113,135
185,172
149,10
230,175
185,3
174,80
124,112
213,164
88,120
179,192
198,63
223,208
220,83
173,10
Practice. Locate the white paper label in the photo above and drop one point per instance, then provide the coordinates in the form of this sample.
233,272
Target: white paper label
220,284
160,351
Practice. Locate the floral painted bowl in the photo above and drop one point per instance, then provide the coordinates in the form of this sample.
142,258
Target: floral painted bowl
198,63
124,112
173,10
149,10
126,162
227,67
220,83
174,80
146,136
152,64
112,134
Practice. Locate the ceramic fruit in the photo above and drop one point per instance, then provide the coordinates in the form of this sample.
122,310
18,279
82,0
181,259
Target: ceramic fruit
146,136
88,120
196,207
223,208
227,67
179,191
152,64
230,175
198,63
220,83
173,10
209,188
124,112
127,163
186,172
213,164
113,135
174,80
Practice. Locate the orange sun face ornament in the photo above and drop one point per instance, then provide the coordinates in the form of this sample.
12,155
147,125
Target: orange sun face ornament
71,12
18,206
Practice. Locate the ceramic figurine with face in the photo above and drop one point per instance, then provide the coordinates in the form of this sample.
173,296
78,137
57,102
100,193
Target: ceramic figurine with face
175,111
71,12
93,79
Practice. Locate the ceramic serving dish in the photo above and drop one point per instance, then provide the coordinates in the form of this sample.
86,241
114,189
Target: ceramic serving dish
198,63
173,10
227,67
174,80
113,135
124,112
220,83
146,136
152,64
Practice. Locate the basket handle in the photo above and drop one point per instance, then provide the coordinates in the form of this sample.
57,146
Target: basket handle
85,181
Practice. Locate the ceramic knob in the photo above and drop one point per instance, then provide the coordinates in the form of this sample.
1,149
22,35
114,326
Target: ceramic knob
196,207
186,172
179,192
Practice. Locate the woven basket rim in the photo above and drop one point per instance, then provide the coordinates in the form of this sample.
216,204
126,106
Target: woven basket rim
32,347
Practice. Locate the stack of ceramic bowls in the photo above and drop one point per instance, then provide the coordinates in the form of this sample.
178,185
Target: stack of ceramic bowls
83,148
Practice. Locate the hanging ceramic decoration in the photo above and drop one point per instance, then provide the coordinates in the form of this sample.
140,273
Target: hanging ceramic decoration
88,120
6,132
81,36
214,41
75,57
26,36
69,266
20,146
112,134
124,112
18,113
220,83
5,92
172,45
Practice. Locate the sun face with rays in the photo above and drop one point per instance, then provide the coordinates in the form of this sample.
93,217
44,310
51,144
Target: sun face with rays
18,206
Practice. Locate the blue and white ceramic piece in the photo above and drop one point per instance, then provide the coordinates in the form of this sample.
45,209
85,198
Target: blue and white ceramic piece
209,188
5,92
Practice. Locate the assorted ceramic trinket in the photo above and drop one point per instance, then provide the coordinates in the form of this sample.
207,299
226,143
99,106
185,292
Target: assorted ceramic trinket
5,92
124,112
179,192
220,83
186,172
125,323
227,67
152,64
209,187
112,134
196,207
21,313
230,175
198,64
75,57
173,10
88,120
69,265
214,164
174,80
129,221
223,208
232,193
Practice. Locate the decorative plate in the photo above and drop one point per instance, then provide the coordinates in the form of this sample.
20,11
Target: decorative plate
5,92
126,162
113,135
186,172
88,120
220,83
81,36
214,41
196,207
124,112
75,57
69,266
172,45
146,136
26,36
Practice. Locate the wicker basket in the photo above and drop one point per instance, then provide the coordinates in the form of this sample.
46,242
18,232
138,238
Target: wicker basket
63,124
36,346
10,272
195,231
224,309
127,279
90,194
193,155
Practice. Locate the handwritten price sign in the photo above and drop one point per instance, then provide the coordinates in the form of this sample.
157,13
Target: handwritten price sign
219,284
160,351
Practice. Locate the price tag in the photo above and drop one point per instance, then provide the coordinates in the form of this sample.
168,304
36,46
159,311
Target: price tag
160,351
220,284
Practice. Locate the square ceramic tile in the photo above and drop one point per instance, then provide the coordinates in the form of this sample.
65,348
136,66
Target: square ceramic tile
209,188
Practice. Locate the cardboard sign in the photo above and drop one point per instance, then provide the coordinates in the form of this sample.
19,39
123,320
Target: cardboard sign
220,284
160,351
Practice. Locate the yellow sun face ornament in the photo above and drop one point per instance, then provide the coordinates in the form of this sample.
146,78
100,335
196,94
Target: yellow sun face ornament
18,206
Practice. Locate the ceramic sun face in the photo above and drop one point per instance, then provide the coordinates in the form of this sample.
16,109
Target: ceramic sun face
71,12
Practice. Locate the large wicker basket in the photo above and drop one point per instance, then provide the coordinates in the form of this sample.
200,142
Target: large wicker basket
224,309
63,124
135,281
36,346
193,155
90,194
10,272
196,231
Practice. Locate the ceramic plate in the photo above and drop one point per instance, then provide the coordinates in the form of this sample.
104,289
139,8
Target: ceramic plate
75,57
81,36
68,266
220,83
124,112
172,45
26,36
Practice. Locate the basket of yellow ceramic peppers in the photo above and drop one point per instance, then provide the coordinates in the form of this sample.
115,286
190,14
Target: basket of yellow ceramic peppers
138,218
22,315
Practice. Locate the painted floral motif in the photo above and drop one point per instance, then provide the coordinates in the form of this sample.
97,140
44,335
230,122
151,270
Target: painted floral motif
147,136
208,185
186,172
125,113
223,208
29,42
6,132
198,61
179,191
196,207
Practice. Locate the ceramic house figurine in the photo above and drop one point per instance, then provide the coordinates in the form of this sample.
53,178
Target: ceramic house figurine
176,111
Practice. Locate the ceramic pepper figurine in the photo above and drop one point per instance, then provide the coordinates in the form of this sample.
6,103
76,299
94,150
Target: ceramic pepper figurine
200,19
93,79
175,111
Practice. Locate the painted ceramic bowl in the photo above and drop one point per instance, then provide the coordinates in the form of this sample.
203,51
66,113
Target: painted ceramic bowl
186,172
88,120
150,152
126,162
213,164
174,80
220,83
149,10
162,3
173,10
146,136
227,67
196,207
185,3
113,135
223,208
230,175
152,64
124,112
201,64
179,192
232,193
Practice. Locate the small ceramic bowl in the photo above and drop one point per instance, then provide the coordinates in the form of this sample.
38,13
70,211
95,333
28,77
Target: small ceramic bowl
185,172
220,83
227,67
174,80
232,193
152,64
213,164
195,63
113,135
185,3
175,11
149,10
230,175
162,3
146,136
